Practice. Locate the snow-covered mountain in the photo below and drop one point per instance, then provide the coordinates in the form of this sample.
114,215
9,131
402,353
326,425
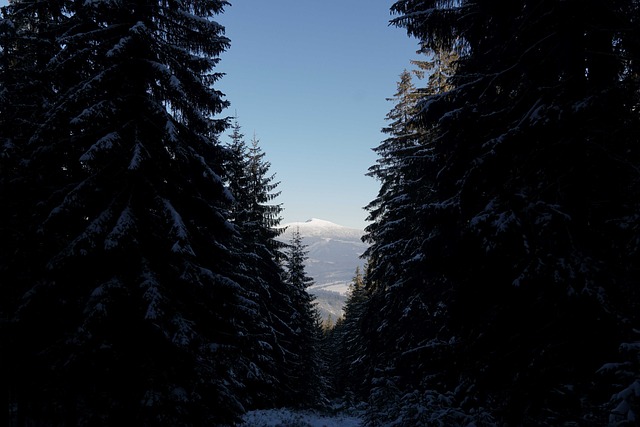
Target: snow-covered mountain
334,254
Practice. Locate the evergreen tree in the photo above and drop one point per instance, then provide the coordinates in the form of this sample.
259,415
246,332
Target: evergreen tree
131,311
236,174
350,359
334,349
389,233
517,280
391,152
257,222
252,186
28,41
396,286
307,370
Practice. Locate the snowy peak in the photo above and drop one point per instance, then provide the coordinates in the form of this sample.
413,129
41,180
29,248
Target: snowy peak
316,222
316,227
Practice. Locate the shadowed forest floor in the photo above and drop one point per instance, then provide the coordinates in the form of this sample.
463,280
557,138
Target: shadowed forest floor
300,418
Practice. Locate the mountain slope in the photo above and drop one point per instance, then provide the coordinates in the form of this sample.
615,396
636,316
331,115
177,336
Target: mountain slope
334,254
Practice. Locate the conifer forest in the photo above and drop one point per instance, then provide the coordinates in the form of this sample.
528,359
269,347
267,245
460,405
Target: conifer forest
142,281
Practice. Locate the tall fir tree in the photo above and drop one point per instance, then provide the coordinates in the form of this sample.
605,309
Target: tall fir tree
348,356
395,282
520,281
131,311
307,369
28,40
280,299
29,34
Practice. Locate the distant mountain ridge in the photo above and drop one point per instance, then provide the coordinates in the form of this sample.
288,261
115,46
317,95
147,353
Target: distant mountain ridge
334,255
320,227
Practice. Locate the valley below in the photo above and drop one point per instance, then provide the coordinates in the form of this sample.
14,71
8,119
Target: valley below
333,255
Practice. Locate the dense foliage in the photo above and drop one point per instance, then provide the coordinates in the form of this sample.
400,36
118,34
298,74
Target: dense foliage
142,281
131,292
505,232
308,368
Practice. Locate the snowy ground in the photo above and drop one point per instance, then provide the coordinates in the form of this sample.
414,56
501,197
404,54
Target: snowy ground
289,418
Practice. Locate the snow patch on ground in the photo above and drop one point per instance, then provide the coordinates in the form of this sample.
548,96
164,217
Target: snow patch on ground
290,418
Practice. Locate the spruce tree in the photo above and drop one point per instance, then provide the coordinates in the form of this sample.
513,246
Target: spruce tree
350,360
391,153
525,219
28,40
307,372
257,222
397,294
132,311
236,173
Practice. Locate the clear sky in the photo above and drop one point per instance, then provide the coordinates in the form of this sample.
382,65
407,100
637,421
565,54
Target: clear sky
310,78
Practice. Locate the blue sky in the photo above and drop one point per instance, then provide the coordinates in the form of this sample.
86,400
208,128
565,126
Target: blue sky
310,78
